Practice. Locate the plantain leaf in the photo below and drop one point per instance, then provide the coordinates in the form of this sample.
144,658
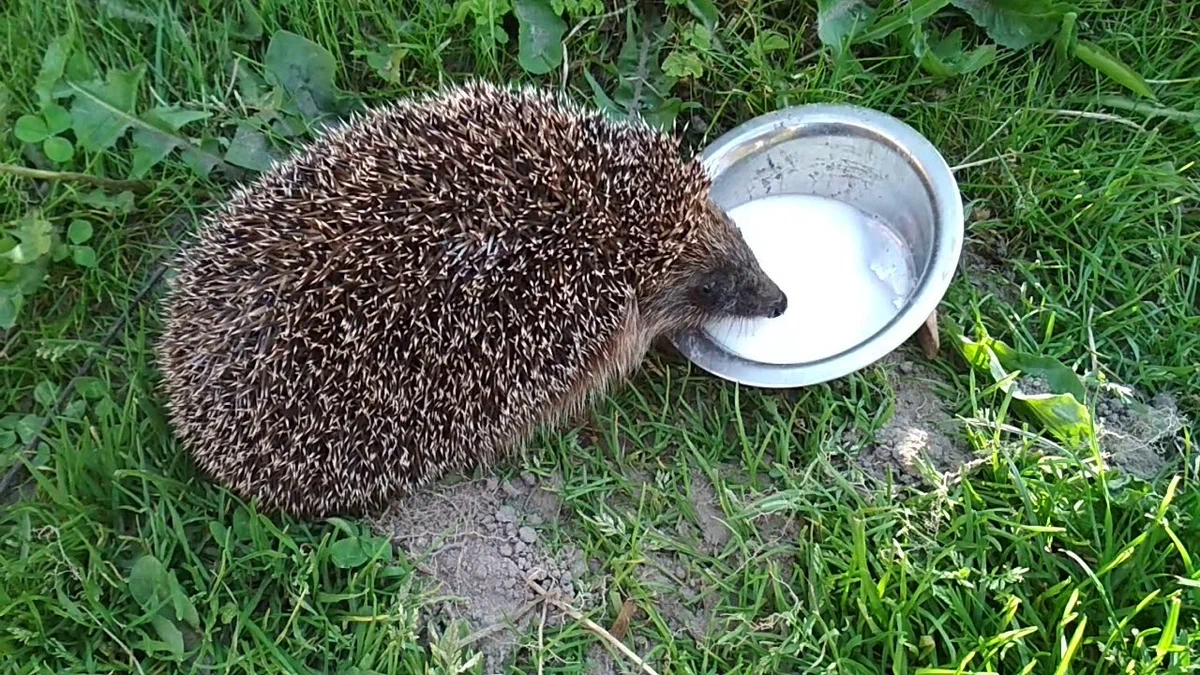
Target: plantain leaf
1015,24
837,20
1056,402
539,38
1111,66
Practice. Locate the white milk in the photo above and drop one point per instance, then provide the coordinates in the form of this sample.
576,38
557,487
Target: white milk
845,273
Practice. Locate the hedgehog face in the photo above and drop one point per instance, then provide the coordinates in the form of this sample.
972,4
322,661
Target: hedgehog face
718,276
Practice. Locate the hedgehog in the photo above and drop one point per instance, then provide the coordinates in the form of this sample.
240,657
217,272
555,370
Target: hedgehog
426,284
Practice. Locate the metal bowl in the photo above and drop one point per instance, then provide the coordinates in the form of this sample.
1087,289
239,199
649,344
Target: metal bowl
912,220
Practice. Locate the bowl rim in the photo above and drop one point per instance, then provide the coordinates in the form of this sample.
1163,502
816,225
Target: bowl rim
934,171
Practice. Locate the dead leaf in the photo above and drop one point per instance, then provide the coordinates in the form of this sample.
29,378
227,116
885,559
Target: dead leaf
621,625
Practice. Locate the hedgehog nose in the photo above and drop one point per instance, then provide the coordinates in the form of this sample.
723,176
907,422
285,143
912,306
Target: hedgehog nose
778,308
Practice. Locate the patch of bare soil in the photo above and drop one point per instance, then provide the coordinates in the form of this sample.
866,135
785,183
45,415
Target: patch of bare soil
479,542
681,590
1139,438
920,432
984,265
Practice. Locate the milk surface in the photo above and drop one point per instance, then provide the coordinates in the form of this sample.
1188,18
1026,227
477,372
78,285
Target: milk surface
846,275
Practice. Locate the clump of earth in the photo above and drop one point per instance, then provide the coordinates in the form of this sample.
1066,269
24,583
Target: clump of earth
480,543
1139,438
921,432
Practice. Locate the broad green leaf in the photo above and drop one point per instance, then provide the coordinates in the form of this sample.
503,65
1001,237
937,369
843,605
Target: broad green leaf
248,149
682,64
45,393
58,149
90,388
305,71
185,610
705,11
914,13
643,84
202,162
29,427
348,553
84,256
172,118
31,129
250,26
75,409
60,251
601,97
119,203
837,20
169,633
1015,24
103,111
36,235
80,68
1064,44
539,38
946,57
10,308
79,231
54,61
8,438
1111,66
57,119
1060,410
149,148
147,581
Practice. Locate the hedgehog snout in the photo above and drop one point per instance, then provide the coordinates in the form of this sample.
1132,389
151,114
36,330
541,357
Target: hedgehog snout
776,310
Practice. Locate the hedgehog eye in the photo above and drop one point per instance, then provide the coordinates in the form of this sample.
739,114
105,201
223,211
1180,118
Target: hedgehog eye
708,288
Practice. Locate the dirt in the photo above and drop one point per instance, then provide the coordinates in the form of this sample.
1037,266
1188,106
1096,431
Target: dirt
919,431
1139,438
709,516
1032,385
985,266
478,542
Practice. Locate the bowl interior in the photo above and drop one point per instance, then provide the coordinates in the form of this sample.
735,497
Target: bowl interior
861,158
842,161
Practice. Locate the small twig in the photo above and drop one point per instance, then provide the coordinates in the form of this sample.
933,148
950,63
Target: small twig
139,186
1103,117
541,639
982,162
592,626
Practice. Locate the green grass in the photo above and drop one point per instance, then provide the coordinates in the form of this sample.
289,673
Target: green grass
1038,561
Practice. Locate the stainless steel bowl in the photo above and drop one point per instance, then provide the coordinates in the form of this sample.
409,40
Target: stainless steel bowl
870,161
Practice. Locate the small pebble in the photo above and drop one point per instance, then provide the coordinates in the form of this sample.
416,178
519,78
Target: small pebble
528,478
521,547
907,367
528,535
493,483
508,489
566,577
506,550
534,519
506,514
